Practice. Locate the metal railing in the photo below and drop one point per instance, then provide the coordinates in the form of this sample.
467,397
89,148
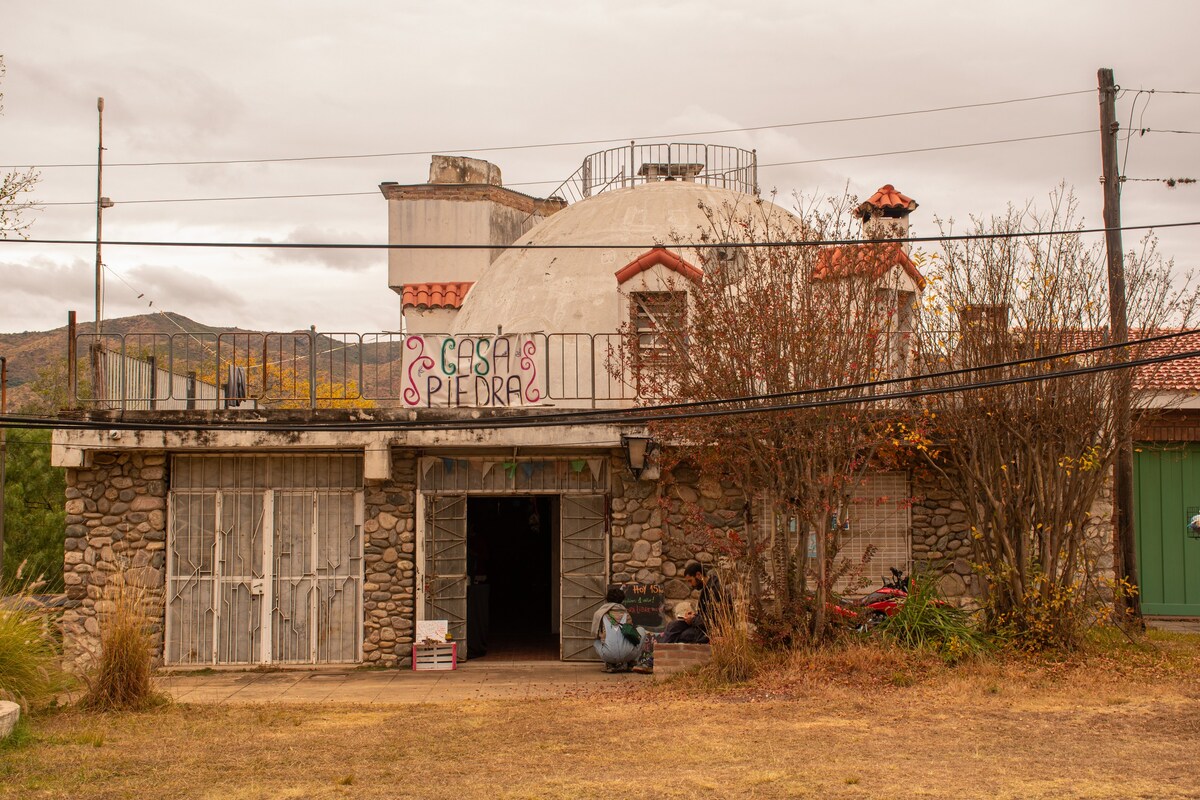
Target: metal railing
621,167
177,371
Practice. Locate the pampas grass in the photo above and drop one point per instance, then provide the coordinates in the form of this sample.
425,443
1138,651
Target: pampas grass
121,678
30,666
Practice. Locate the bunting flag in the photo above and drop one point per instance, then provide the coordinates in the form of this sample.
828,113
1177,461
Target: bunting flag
577,465
595,465
527,468
487,468
448,465
510,468
426,463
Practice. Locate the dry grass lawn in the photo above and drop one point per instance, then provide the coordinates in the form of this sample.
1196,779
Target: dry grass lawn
1116,722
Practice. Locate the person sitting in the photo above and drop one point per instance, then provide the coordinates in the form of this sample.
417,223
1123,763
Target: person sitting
618,652
711,598
683,629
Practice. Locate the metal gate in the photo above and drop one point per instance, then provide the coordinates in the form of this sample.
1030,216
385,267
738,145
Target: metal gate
446,563
584,571
1167,492
262,573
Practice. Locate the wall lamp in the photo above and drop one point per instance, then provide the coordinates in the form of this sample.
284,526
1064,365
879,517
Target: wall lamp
637,452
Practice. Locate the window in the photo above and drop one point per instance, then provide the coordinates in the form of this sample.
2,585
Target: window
659,320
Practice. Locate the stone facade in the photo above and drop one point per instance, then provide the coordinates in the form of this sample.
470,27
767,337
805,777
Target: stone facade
389,564
115,522
941,540
650,538
942,545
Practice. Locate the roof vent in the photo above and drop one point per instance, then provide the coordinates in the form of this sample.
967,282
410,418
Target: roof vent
670,172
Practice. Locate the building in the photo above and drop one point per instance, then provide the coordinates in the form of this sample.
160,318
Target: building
321,523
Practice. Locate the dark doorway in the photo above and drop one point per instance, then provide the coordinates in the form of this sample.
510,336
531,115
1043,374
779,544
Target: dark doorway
512,566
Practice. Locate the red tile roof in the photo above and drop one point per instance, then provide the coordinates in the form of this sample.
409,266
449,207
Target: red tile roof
872,260
435,295
887,197
1180,375
654,257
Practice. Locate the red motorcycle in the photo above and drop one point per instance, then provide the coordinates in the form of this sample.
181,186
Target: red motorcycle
886,600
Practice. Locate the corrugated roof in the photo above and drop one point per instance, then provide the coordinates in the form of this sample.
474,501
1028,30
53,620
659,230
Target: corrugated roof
872,260
435,295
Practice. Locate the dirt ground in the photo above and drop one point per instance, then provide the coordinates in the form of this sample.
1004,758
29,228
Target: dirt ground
1117,723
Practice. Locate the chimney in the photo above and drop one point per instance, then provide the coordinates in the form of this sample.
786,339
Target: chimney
885,214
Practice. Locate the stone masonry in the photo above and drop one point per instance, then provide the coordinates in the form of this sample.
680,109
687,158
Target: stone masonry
389,550
115,522
650,543
942,545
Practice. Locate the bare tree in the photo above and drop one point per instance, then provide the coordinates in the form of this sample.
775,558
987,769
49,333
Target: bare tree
1029,460
774,315
12,186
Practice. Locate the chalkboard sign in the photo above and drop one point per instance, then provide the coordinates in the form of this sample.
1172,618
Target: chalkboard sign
645,603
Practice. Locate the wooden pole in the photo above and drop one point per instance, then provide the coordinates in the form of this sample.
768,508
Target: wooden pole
1124,534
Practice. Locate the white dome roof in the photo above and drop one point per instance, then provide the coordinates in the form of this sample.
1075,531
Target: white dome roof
576,291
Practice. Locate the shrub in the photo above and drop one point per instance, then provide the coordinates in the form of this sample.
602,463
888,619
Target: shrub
30,671
122,676
926,622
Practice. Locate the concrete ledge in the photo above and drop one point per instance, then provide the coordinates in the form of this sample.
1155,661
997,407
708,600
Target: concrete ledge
670,659
9,714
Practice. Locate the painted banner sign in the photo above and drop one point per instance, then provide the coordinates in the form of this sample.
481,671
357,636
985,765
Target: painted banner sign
441,371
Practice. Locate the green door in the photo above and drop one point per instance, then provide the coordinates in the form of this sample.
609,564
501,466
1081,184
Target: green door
1167,487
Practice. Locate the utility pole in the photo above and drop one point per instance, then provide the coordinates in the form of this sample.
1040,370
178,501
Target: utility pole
99,213
1124,549
102,202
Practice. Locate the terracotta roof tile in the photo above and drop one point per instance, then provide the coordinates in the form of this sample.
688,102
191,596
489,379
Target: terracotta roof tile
1180,375
872,260
435,295
887,197
655,257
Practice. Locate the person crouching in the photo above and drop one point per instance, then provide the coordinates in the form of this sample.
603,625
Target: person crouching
613,633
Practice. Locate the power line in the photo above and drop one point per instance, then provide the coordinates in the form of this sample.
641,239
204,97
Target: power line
873,384
930,149
583,246
559,182
622,416
575,143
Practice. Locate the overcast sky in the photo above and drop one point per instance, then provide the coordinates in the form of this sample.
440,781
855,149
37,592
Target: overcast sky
235,80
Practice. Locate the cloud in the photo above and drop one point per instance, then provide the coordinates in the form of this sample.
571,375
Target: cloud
341,260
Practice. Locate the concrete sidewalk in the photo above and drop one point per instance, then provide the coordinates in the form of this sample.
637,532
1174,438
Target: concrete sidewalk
471,681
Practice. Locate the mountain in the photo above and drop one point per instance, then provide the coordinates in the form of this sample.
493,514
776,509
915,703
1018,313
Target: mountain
30,351
189,344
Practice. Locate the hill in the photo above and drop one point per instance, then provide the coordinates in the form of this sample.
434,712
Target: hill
31,351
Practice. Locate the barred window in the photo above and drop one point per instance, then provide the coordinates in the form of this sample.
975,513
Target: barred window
657,317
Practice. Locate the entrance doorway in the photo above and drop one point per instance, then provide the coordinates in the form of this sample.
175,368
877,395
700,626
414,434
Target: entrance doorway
513,572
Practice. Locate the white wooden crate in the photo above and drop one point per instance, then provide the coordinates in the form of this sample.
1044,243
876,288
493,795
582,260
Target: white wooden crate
435,656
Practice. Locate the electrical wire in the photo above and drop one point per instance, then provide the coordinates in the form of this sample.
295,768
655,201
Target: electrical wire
634,415
576,143
630,416
585,246
560,183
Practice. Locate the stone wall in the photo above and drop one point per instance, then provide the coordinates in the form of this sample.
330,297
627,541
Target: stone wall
942,545
941,540
115,522
651,542
389,555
